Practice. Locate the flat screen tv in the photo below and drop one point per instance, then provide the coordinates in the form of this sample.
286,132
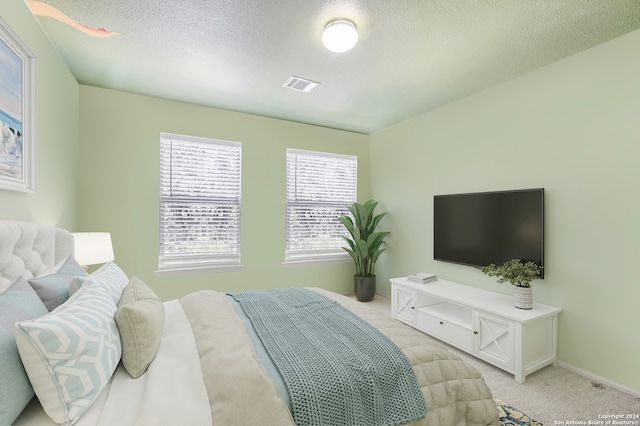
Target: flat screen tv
489,227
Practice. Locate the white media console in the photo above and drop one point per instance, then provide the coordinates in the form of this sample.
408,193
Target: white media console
480,322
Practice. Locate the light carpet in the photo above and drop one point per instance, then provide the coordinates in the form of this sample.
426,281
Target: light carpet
552,395
557,396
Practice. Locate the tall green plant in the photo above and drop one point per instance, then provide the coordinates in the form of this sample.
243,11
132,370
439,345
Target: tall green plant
364,244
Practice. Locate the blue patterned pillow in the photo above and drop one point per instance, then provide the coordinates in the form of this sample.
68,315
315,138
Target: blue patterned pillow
17,303
53,286
71,353
109,276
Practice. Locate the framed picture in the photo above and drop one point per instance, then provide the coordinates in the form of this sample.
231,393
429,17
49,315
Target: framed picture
17,106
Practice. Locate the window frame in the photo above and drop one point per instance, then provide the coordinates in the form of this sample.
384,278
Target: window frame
195,263
301,257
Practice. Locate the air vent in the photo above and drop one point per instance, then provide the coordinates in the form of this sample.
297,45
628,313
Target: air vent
300,84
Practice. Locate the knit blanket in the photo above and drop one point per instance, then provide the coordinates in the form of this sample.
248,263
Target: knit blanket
338,369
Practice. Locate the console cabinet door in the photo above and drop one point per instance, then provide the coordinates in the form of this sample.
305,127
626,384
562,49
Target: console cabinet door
403,304
495,340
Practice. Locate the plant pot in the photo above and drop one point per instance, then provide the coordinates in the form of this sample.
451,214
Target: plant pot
364,288
522,297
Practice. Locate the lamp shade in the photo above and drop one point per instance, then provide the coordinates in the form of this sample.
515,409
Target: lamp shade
92,248
340,35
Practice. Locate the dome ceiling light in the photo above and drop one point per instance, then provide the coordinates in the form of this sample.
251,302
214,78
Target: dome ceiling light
340,35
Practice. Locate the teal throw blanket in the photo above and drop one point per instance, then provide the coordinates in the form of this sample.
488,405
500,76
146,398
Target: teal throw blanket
339,370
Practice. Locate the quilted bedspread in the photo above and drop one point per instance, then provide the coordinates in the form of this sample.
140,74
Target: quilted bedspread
241,392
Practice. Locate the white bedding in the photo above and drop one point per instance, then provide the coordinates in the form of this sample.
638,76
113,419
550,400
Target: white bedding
151,398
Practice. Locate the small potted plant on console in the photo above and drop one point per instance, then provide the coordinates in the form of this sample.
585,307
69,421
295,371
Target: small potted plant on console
364,246
520,275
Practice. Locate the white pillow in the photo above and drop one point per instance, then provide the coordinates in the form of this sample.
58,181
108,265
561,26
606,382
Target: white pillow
71,353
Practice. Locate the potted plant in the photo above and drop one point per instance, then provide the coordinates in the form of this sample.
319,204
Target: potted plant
364,246
520,275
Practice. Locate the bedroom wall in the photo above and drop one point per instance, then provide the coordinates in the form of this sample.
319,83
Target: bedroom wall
56,116
118,189
572,128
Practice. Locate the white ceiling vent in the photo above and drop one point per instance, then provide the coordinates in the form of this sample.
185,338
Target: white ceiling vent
300,84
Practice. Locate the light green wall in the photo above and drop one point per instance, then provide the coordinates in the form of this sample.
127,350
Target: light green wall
120,134
56,117
572,128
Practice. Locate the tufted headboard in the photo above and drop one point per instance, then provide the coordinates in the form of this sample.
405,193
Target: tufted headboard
28,249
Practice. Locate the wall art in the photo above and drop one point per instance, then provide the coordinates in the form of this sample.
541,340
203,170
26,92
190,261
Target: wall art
17,107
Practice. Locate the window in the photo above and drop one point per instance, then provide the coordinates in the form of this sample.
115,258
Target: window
199,203
320,188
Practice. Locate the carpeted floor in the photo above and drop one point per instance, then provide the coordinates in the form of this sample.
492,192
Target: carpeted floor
550,396
557,396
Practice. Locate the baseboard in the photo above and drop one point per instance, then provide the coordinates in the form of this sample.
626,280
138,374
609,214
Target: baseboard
599,379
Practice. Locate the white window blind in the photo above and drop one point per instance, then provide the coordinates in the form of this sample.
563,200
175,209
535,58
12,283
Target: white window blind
199,202
320,187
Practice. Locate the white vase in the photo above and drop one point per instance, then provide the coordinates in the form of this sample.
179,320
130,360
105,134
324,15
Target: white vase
522,297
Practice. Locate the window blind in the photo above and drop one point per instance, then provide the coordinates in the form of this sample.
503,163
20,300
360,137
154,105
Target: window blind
320,187
199,202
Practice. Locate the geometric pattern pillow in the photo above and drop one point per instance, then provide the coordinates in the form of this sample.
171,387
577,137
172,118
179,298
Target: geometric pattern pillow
17,303
109,276
71,353
53,286
140,319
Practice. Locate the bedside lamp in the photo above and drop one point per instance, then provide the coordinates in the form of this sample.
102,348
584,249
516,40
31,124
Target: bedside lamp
92,248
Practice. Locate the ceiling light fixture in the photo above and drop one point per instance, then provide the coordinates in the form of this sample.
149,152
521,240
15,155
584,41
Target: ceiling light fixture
340,35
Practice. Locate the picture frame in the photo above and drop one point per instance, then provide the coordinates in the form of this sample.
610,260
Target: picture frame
17,113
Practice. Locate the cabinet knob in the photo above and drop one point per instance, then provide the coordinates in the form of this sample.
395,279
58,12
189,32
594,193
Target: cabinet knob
413,307
441,322
475,332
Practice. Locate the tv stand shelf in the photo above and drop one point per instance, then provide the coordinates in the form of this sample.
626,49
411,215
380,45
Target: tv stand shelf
455,314
480,322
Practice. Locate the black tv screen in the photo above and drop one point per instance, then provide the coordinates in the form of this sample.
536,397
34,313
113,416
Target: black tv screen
489,227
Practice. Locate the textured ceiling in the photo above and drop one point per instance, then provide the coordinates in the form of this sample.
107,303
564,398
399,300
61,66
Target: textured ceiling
413,55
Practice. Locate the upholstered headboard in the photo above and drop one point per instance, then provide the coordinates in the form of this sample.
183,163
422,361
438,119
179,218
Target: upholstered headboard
28,249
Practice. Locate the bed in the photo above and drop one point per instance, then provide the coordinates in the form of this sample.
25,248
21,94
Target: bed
119,355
